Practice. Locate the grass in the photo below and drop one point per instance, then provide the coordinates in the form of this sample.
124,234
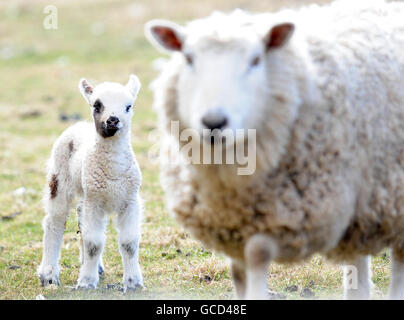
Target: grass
40,69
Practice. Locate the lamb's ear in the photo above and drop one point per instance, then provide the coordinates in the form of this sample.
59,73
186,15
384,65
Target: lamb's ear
165,35
279,35
86,89
134,85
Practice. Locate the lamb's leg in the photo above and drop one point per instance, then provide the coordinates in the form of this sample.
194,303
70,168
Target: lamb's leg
396,291
357,283
79,218
259,251
128,226
100,263
57,210
239,278
93,223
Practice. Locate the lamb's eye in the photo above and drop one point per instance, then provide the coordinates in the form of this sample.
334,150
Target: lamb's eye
255,61
189,59
128,108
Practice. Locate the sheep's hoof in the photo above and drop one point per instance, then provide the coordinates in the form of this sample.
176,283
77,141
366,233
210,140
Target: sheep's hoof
87,283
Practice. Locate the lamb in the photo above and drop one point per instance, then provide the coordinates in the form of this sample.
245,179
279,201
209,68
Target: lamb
95,163
323,87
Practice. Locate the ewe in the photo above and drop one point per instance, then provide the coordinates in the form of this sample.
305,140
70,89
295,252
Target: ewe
323,87
96,163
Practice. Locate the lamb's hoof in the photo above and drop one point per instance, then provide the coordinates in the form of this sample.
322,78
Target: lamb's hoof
87,283
132,285
48,276
46,281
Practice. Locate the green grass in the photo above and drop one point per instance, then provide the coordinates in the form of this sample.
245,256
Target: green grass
41,74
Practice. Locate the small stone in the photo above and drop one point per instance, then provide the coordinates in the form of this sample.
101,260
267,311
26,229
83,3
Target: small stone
40,297
11,216
48,98
19,192
14,267
63,117
307,293
292,288
30,114
273,295
206,278
76,116
110,286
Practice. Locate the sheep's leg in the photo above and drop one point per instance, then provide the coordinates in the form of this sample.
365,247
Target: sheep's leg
396,291
239,278
57,210
93,223
357,283
128,226
259,251
101,268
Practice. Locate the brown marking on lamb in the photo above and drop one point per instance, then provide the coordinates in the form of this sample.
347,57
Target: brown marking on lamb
53,186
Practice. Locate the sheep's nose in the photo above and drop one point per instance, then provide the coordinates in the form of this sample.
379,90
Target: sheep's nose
214,120
112,121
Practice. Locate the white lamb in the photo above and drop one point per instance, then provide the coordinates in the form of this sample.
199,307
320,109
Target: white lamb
95,162
323,87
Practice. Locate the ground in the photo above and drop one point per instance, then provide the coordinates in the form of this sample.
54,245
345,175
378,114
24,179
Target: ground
103,40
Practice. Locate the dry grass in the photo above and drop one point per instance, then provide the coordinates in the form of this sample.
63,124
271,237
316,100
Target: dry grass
104,40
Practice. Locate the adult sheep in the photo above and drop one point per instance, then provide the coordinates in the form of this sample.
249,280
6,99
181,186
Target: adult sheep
323,87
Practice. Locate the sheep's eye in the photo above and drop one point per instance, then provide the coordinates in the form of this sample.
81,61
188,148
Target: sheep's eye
128,108
255,61
189,59
97,106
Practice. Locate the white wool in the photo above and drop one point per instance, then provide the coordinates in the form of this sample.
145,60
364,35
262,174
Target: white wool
328,109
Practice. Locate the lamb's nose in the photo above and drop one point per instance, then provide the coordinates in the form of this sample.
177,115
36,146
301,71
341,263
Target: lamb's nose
214,121
112,121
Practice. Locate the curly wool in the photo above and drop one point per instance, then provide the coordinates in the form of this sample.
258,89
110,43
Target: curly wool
331,182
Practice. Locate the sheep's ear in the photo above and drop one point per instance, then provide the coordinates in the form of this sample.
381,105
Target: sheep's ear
165,35
134,85
279,35
86,89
